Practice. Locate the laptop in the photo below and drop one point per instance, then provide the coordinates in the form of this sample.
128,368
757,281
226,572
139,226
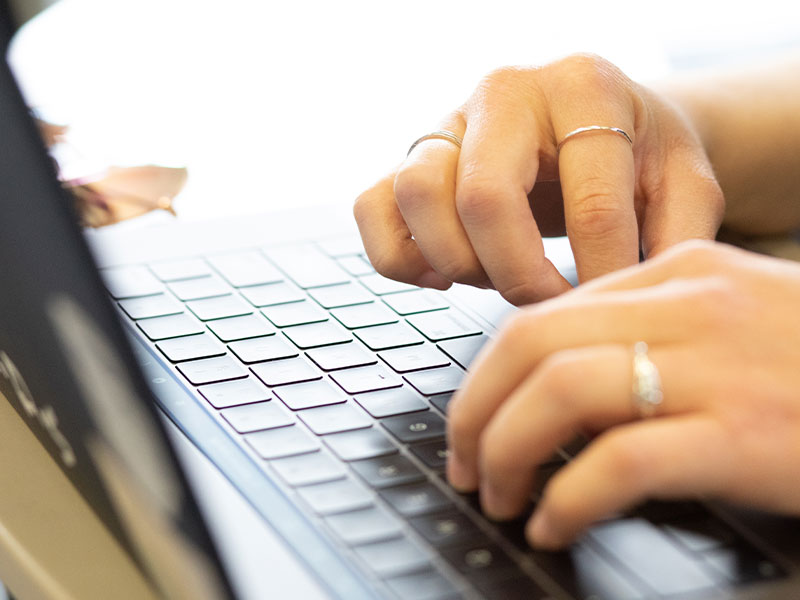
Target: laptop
264,361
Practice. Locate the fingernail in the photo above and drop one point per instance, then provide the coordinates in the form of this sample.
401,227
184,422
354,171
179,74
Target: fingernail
541,532
432,279
459,476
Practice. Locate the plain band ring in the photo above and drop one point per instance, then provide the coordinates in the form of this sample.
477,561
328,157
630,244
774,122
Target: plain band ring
647,394
588,128
437,135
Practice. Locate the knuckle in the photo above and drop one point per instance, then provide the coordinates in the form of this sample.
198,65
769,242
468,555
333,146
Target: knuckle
704,255
477,198
591,71
627,461
521,293
413,186
556,376
461,270
595,211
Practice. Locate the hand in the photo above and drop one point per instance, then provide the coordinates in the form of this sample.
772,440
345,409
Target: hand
722,329
475,216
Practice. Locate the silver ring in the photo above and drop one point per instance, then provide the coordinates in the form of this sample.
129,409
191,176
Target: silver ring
647,395
588,128
437,135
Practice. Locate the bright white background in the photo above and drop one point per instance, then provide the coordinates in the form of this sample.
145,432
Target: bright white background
297,103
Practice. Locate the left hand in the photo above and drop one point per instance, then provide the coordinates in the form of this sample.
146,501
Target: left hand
722,328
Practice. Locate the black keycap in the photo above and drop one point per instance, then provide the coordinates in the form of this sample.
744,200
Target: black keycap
443,325
347,294
190,347
416,301
386,471
436,381
463,350
380,285
159,305
308,469
334,497
271,294
175,270
355,265
395,401
254,417
414,358
211,370
649,553
335,418
288,370
433,454
242,269
518,588
441,401
362,526
241,328
310,394
415,427
481,561
307,266
425,585
364,315
261,349
196,289
131,282
416,499
162,328
235,393
341,356
447,529
282,442
383,337
294,313
360,444
392,557
220,307
315,335
366,379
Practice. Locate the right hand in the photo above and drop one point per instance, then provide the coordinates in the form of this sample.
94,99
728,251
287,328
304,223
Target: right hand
477,215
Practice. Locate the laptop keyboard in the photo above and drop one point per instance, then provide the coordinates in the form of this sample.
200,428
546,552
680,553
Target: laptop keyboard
336,380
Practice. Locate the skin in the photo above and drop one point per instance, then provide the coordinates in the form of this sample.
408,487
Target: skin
729,429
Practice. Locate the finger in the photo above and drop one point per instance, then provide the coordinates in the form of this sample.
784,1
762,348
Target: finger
425,188
496,170
662,458
387,240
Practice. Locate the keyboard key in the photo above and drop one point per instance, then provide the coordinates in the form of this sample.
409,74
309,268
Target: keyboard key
416,301
392,557
441,401
387,471
335,418
640,546
463,350
308,395
446,529
364,315
700,535
211,370
336,496
271,294
741,563
481,561
162,328
308,469
282,442
347,294
341,356
433,454
146,307
425,585
254,417
355,265
387,403
315,335
360,444
383,337
443,325
380,285
341,246
365,379
361,526
416,499
219,307
416,427
242,269
175,270
234,393
294,313
197,289
262,349
436,381
190,347
307,266
241,328
414,358
289,370
130,282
